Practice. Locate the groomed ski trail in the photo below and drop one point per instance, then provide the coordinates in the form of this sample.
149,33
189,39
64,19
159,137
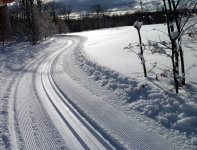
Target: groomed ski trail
52,111
42,117
118,128
29,124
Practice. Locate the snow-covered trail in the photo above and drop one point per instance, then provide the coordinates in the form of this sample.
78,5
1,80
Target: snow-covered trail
51,110
29,124
73,128
41,118
122,131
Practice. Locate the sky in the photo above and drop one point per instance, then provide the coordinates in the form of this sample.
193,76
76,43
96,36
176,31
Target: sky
107,4
79,5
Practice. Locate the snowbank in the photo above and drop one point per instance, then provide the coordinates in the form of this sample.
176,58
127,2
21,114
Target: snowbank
106,62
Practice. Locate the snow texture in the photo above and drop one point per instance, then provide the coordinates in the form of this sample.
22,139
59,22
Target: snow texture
24,123
153,97
115,78
138,25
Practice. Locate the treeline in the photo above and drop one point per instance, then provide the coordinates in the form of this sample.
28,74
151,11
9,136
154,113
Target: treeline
26,21
93,22
33,20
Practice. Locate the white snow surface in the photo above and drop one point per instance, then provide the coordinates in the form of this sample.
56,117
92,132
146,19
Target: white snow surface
105,84
110,67
24,123
138,25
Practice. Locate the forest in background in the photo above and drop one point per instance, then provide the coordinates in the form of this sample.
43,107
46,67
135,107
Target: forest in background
34,20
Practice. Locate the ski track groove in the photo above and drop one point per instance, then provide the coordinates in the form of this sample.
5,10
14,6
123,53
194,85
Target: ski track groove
91,134
8,79
33,126
95,128
4,135
130,137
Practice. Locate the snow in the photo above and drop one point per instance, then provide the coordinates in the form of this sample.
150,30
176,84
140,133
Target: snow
24,124
113,124
174,35
110,66
138,25
105,84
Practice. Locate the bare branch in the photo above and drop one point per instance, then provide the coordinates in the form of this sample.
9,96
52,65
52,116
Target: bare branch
177,4
188,17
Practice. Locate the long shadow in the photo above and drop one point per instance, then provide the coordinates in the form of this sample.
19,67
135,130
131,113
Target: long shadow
166,91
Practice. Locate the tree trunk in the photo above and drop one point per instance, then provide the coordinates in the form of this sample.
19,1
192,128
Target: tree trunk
174,66
141,52
182,66
174,56
179,43
5,25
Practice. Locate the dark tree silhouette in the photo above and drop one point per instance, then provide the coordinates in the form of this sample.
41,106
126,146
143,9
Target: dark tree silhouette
97,9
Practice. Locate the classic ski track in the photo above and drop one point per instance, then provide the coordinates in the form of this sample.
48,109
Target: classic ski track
6,107
81,132
32,125
6,112
42,122
122,131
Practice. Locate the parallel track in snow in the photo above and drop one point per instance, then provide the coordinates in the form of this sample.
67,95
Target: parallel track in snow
41,117
76,131
53,111
29,124
122,131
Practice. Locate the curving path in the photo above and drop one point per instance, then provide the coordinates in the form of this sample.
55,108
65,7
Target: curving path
43,118
29,123
50,110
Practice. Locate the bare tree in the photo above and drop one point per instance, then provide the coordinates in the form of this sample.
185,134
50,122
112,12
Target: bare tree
52,10
142,47
29,17
97,9
138,25
66,11
37,22
141,5
177,15
176,28
5,25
